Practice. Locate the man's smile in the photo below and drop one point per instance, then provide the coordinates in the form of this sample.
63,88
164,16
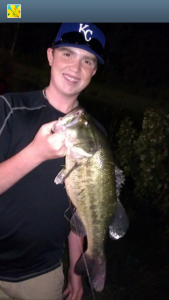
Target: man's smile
71,78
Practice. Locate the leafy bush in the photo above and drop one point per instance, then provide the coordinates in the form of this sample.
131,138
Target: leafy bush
144,155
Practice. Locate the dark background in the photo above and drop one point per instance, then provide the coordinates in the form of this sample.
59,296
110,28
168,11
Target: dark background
136,54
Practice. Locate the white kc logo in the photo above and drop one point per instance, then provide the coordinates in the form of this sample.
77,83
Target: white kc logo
85,32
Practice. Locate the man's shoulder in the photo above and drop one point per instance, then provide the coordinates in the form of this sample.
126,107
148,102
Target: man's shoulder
32,99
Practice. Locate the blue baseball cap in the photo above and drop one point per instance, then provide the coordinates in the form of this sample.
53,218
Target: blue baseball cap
85,36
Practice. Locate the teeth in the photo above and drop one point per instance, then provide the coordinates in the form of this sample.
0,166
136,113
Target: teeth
71,79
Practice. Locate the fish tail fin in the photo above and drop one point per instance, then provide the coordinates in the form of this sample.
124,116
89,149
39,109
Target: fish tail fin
94,268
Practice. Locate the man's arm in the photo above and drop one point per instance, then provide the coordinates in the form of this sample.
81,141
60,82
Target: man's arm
45,146
74,288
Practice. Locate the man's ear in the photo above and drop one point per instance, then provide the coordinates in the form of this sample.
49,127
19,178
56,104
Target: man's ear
94,72
50,56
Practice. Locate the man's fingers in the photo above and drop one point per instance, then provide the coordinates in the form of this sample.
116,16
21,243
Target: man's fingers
74,295
80,294
57,141
64,297
66,292
47,128
77,296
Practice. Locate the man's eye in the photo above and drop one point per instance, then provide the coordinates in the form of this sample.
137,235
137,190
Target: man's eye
88,62
67,54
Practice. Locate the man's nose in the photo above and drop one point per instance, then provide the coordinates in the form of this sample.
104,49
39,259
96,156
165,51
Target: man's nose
76,65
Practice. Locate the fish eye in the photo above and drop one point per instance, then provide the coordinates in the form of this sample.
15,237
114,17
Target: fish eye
77,113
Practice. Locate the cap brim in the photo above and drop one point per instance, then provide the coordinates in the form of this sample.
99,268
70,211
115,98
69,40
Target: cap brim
84,47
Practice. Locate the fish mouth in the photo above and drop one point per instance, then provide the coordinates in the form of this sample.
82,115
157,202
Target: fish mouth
68,120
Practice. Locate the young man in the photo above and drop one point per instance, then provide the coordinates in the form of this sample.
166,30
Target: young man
34,212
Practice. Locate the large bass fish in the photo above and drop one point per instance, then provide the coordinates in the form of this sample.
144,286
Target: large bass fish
93,183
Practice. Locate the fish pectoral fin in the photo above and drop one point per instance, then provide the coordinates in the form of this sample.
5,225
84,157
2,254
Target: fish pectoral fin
59,179
63,174
119,223
95,268
77,225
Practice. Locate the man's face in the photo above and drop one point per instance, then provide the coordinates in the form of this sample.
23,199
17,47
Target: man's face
71,69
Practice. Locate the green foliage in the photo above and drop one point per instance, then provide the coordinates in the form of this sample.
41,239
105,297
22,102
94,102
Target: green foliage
144,156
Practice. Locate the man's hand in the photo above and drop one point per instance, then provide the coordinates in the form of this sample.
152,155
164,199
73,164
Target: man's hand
74,290
47,145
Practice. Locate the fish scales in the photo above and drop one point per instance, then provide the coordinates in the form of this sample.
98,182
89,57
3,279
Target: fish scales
93,205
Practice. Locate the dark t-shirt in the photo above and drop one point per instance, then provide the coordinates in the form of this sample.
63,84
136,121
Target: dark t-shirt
33,225
35,212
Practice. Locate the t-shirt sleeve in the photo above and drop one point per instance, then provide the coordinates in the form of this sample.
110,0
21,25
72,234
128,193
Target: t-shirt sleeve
5,127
